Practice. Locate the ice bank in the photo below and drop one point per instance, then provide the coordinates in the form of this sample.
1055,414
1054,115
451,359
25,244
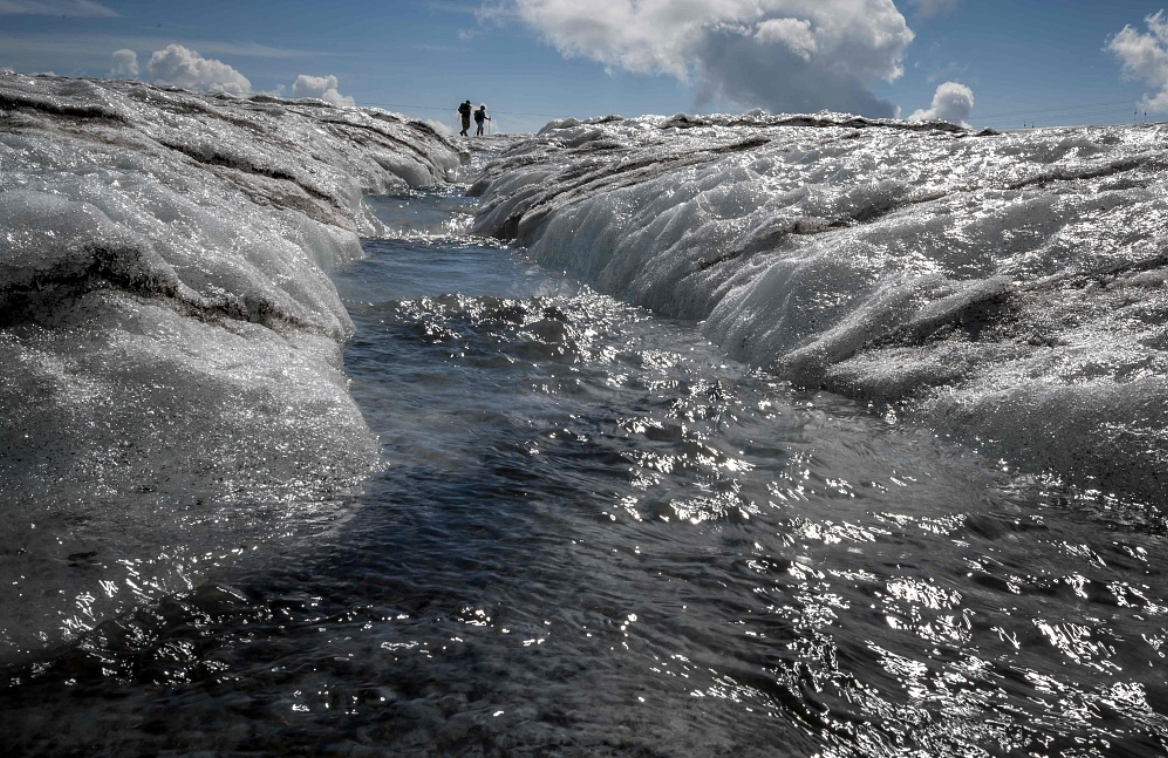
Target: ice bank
170,341
1009,289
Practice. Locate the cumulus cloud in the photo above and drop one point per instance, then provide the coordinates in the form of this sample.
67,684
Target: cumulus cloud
794,34
125,63
1145,58
783,55
321,87
178,66
952,102
83,8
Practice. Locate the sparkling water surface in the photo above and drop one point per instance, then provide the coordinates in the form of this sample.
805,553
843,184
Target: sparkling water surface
594,535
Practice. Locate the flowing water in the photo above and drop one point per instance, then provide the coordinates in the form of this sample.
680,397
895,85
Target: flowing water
594,535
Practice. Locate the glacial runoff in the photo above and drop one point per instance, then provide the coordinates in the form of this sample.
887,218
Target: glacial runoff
171,382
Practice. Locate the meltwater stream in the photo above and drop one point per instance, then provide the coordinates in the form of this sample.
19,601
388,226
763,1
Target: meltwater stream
596,536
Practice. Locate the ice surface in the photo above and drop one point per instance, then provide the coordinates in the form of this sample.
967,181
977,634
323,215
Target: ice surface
170,340
1009,289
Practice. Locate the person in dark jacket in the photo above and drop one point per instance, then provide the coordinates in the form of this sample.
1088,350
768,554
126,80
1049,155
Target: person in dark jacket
480,118
464,111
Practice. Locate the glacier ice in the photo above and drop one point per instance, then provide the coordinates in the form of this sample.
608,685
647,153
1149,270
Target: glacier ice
170,340
1008,289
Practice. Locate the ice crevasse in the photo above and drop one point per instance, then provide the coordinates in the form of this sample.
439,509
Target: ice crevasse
1005,288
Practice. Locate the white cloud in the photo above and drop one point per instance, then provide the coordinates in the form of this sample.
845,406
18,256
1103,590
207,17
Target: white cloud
178,66
784,55
795,34
322,87
952,102
85,8
125,63
1145,58
98,46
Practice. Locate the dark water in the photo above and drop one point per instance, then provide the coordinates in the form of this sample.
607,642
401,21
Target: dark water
595,536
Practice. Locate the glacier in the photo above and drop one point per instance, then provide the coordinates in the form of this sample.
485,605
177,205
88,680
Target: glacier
1005,289
169,335
171,342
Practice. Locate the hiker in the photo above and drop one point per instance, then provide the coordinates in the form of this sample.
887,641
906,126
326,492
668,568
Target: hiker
480,117
464,111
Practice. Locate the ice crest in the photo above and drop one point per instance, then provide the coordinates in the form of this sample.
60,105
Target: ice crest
1008,289
170,340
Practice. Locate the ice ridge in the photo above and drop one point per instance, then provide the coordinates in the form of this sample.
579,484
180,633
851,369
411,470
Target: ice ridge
1007,289
170,339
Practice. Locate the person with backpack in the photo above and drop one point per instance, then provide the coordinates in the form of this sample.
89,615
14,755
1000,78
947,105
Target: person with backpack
481,117
464,111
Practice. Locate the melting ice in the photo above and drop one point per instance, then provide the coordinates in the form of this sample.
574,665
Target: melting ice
170,339
1008,289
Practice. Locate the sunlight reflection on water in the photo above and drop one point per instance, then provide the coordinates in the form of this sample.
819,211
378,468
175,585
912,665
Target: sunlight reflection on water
596,536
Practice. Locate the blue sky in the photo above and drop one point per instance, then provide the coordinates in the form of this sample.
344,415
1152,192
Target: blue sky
1001,63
